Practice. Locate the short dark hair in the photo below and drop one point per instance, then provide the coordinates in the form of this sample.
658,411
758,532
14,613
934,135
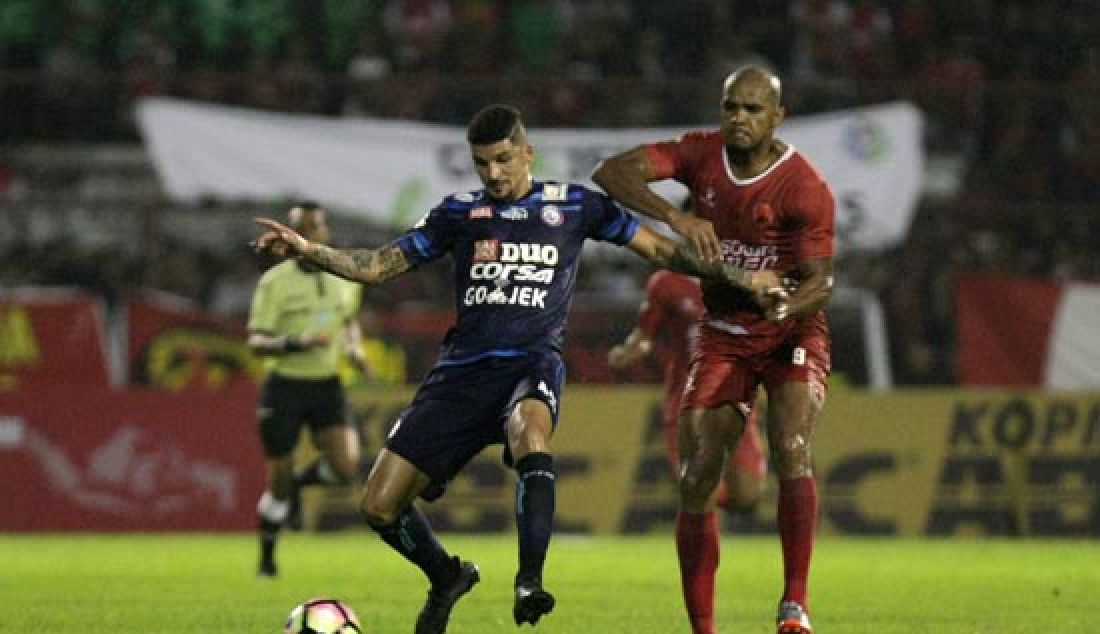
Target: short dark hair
495,123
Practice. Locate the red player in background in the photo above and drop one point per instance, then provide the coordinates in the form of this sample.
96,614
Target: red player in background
759,204
668,324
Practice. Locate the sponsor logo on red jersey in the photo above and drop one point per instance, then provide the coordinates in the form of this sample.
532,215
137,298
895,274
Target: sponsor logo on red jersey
754,257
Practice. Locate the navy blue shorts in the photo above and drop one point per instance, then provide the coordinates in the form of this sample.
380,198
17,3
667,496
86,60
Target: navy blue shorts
461,409
286,405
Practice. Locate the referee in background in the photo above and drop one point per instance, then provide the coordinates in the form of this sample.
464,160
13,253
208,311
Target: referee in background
304,321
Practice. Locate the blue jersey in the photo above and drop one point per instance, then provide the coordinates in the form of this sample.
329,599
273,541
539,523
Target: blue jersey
515,264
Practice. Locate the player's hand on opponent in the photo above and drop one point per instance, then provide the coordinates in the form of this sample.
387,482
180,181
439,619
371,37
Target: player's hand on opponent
700,233
279,239
779,310
768,291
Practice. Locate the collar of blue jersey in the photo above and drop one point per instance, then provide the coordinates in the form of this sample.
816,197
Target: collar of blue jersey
533,186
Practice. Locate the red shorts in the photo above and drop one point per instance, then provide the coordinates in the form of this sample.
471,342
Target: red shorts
727,367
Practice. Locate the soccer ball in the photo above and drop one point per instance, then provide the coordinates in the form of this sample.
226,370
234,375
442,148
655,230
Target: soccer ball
322,616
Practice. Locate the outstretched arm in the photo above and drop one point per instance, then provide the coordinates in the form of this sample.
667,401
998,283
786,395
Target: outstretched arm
680,257
626,177
369,266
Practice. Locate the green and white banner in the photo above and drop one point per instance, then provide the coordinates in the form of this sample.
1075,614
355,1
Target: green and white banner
394,171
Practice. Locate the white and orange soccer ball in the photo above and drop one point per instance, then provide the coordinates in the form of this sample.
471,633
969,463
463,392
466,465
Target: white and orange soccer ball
322,616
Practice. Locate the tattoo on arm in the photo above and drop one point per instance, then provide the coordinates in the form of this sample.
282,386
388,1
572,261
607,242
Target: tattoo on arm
371,266
684,259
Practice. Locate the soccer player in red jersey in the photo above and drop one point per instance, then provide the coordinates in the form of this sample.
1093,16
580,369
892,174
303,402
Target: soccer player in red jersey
668,324
759,204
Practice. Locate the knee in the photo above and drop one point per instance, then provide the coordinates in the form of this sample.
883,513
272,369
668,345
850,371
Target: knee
346,469
792,456
282,488
529,429
377,510
344,459
697,481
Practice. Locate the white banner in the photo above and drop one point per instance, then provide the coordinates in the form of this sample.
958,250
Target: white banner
1027,332
394,171
1073,352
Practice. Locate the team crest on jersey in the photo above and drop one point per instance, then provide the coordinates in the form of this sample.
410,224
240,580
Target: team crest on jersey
552,215
486,250
481,212
763,213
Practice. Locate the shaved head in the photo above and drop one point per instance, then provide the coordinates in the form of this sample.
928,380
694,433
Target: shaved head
308,219
750,112
297,213
751,75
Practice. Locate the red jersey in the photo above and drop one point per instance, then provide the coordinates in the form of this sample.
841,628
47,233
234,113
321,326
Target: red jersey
771,221
670,318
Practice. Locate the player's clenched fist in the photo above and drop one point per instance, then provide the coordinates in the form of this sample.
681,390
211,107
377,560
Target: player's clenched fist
768,291
279,239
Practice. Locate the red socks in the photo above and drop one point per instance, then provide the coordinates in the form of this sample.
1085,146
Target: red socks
697,545
797,521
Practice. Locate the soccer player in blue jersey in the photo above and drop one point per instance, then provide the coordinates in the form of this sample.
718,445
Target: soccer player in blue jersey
516,246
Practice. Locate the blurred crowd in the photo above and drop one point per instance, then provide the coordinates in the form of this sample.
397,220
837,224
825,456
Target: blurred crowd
1009,89
976,66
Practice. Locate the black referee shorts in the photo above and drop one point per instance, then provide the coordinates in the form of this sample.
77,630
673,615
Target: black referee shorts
288,404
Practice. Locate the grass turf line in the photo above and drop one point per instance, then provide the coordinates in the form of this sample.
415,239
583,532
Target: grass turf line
203,583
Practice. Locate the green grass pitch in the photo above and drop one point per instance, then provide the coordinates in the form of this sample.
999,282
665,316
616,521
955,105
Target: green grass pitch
204,583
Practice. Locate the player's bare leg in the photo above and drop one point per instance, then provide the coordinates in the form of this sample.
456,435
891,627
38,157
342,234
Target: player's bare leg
272,510
387,505
529,430
338,464
792,416
705,439
746,472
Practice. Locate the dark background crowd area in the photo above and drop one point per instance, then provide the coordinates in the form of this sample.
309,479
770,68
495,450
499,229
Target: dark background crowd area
1008,89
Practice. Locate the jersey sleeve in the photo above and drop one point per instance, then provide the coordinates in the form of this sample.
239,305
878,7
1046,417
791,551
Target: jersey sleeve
608,221
262,314
814,213
673,158
430,238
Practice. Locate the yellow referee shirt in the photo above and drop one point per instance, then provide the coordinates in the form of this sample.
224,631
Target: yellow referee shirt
292,302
